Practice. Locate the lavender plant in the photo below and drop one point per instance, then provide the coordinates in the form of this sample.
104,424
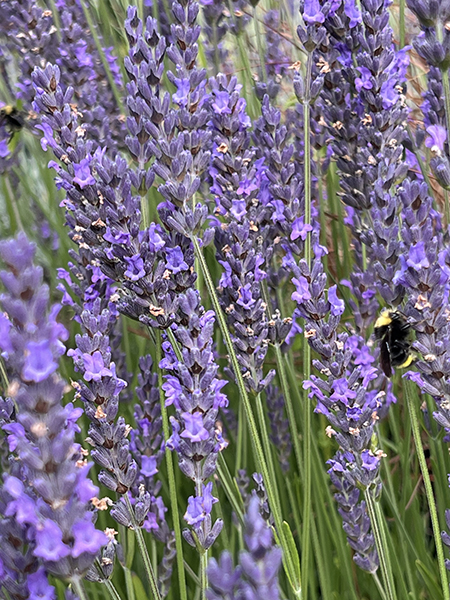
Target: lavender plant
317,164
50,494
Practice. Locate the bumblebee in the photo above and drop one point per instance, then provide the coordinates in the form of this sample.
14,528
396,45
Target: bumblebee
11,118
394,335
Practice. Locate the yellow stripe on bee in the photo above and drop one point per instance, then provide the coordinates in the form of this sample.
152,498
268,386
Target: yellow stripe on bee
384,319
407,362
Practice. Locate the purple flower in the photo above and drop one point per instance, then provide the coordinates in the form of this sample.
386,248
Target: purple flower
302,293
341,392
173,391
5,340
155,239
352,13
94,367
312,12
119,237
299,229
192,387
200,506
369,461
238,209
437,138
175,260
364,80
44,434
39,587
221,103
148,466
417,258
135,269
4,150
88,539
194,429
39,363
337,305
257,573
49,542
183,89
246,299
82,171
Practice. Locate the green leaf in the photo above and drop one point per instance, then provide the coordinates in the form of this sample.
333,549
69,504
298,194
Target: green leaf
139,589
293,553
431,580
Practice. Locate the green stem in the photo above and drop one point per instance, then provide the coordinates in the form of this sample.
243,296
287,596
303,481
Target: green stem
256,441
401,24
379,586
144,552
306,348
241,440
377,528
114,594
203,576
267,446
230,488
4,375
289,409
410,400
140,7
145,212
78,586
259,45
331,519
129,583
13,211
171,474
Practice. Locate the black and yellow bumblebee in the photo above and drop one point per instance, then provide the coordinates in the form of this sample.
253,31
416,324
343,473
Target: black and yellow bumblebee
394,334
12,118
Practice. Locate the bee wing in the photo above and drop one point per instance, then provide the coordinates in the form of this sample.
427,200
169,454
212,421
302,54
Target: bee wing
385,358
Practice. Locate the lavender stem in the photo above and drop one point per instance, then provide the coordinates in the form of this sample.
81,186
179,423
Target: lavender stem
229,486
128,583
286,390
125,535
241,439
203,576
144,552
169,463
112,590
266,443
289,564
380,542
289,407
306,347
412,409
401,23
114,594
379,586
77,585
259,45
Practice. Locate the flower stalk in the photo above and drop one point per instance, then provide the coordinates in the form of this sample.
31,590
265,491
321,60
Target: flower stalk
170,472
411,398
293,576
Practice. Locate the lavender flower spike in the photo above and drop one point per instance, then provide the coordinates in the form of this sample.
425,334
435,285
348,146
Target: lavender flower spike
56,506
256,575
192,387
